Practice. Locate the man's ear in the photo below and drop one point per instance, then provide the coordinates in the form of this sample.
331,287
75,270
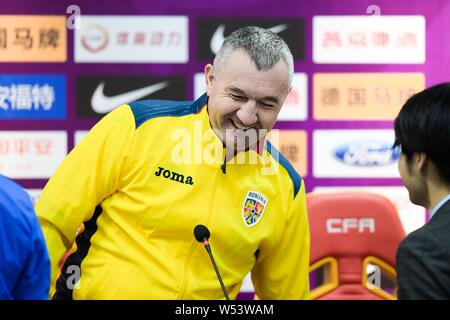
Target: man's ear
209,77
422,161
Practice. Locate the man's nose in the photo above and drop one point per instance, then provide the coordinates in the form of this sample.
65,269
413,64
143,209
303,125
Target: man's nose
247,113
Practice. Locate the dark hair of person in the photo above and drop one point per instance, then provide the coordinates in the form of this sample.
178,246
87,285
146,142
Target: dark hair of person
423,126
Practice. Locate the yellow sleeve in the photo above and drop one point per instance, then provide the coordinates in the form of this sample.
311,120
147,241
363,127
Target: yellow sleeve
56,244
89,174
284,273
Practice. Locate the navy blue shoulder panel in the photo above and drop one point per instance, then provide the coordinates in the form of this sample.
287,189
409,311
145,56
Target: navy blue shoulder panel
295,177
148,109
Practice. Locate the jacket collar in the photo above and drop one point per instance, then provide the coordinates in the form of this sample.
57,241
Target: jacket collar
440,213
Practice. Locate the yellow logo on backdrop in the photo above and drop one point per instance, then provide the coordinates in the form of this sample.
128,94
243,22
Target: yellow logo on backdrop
363,96
31,38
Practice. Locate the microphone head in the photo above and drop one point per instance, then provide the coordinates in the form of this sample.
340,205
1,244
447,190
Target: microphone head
201,233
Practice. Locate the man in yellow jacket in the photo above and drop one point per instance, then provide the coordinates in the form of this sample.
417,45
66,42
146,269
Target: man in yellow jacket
150,171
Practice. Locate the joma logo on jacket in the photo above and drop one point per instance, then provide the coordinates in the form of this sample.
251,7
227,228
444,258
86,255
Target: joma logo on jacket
173,176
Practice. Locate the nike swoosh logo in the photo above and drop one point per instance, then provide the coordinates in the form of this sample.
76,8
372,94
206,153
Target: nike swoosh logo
103,104
218,36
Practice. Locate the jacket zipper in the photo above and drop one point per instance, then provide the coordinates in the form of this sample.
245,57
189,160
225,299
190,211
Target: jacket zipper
194,242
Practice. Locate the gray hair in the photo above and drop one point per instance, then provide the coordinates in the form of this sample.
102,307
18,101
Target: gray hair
264,47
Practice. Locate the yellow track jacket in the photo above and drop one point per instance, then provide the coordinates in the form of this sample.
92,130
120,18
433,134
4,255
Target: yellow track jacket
141,180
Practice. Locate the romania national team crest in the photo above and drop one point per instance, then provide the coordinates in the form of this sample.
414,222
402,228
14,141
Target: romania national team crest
252,210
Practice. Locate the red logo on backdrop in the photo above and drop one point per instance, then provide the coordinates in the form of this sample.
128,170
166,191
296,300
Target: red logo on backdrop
95,38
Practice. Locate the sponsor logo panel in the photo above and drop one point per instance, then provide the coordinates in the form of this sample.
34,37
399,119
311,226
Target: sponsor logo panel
31,154
32,96
30,38
354,153
212,32
363,96
98,95
369,39
293,145
132,39
79,135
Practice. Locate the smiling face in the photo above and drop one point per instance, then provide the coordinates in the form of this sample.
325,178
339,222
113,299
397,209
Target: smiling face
242,98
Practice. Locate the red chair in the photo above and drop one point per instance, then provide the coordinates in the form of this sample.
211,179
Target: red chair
352,232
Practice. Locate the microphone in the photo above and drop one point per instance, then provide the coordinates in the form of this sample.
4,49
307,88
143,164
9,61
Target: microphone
202,235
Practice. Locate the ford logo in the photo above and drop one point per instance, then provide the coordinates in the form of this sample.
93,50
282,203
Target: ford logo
367,153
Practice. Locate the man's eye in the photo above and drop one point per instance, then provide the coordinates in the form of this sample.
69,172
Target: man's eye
235,97
266,105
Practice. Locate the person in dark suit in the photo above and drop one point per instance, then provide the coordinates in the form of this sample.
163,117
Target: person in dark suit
422,131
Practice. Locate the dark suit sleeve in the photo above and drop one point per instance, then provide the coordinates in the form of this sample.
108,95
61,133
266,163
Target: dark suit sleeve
422,268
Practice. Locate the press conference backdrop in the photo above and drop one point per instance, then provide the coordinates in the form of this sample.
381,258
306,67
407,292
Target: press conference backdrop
64,64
